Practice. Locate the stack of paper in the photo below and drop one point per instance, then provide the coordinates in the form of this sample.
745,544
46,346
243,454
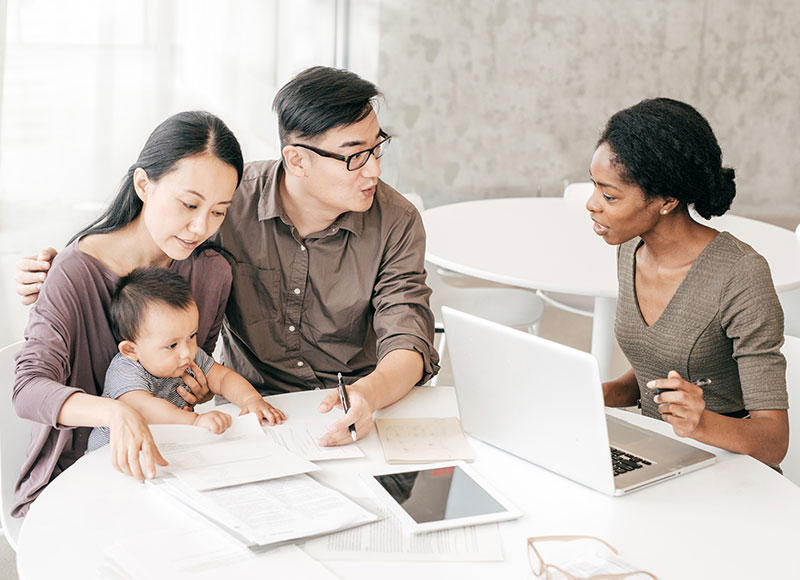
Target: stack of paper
423,440
250,486
203,554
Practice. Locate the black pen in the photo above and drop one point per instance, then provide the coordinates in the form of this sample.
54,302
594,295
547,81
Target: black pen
700,382
345,404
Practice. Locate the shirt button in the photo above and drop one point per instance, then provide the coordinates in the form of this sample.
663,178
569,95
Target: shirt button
333,230
297,290
299,363
303,248
291,329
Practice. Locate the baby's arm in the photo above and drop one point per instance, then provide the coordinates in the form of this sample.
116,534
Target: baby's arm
158,412
234,387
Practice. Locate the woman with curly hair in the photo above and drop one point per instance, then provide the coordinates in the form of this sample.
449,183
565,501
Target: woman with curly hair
693,302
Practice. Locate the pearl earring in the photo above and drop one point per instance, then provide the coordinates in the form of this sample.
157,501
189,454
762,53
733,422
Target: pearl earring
663,212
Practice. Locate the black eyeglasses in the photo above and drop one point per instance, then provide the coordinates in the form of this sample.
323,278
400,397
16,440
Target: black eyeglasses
356,160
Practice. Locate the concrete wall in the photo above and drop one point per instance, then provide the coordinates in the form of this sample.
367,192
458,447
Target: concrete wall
495,98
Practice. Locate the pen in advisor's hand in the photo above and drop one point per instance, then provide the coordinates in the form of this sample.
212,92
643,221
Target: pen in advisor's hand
346,404
700,382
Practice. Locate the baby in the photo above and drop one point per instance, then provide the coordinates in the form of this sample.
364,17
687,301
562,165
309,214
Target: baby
154,319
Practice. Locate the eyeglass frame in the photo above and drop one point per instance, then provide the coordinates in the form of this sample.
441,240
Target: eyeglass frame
346,158
543,565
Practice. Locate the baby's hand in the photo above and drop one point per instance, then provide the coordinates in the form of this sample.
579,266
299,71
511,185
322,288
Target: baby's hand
214,421
262,409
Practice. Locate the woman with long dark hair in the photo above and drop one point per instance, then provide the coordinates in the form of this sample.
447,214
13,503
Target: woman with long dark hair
171,200
695,304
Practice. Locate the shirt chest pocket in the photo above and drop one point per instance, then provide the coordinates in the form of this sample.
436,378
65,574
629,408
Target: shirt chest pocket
256,294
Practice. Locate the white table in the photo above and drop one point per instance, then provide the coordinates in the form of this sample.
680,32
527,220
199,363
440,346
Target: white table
735,519
548,244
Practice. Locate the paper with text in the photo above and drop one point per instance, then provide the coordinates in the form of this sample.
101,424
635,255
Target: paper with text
388,540
423,440
273,511
242,454
301,437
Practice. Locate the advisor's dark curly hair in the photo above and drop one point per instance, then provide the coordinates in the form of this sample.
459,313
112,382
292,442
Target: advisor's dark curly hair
668,149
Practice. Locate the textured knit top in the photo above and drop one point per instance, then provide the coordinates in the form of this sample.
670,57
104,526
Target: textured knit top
723,323
69,345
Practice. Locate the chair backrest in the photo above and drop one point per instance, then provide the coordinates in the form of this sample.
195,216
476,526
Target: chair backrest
790,301
14,437
791,464
578,192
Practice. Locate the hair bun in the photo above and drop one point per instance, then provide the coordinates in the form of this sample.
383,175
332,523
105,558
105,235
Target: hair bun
718,202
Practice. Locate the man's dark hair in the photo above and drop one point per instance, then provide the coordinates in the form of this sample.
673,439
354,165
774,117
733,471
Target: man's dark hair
668,149
319,99
138,292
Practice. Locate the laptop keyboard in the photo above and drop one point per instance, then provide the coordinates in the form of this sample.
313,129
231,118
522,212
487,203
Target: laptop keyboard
624,462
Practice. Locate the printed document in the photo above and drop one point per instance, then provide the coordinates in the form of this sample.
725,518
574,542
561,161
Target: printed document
203,554
273,511
423,440
242,454
301,437
388,540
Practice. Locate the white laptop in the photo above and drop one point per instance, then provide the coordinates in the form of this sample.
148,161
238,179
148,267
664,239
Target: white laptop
543,402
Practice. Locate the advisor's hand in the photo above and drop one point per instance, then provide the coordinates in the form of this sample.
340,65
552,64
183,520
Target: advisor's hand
682,406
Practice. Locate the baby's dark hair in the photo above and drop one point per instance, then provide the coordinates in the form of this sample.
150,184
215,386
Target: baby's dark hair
668,149
140,290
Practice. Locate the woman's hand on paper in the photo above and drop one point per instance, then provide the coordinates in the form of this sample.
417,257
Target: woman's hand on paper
132,447
360,415
682,405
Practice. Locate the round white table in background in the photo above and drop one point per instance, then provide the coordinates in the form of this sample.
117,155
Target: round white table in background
548,244
736,519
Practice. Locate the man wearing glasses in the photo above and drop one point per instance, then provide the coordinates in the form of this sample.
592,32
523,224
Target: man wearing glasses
328,261
328,271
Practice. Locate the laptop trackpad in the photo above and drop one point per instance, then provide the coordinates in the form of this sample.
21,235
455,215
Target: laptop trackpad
622,433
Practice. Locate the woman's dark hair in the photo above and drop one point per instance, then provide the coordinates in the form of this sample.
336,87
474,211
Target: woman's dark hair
180,136
137,292
321,98
668,149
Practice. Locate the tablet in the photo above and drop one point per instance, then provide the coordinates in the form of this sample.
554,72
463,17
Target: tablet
439,497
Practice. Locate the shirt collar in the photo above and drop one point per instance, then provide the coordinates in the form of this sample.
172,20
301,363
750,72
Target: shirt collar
270,207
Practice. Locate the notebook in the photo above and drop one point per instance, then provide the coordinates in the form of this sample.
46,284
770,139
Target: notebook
543,402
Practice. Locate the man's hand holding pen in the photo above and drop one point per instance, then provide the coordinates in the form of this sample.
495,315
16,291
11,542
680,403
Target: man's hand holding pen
359,415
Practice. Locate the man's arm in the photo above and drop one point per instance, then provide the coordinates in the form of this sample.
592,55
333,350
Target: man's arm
395,375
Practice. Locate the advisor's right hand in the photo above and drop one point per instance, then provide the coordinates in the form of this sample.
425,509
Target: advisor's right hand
132,442
214,421
30,274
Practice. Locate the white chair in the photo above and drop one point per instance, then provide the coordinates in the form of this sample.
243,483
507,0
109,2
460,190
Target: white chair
791,463
790,301
14,437
577,193
506,305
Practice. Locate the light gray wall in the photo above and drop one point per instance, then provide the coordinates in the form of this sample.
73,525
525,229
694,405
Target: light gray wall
507,97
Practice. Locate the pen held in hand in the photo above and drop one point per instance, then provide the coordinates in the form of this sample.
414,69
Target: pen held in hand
345,399
700,382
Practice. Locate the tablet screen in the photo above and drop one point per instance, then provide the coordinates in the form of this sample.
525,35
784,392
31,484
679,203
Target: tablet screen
445,493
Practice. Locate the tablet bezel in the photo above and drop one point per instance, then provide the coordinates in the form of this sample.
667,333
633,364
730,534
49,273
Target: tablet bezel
410,523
